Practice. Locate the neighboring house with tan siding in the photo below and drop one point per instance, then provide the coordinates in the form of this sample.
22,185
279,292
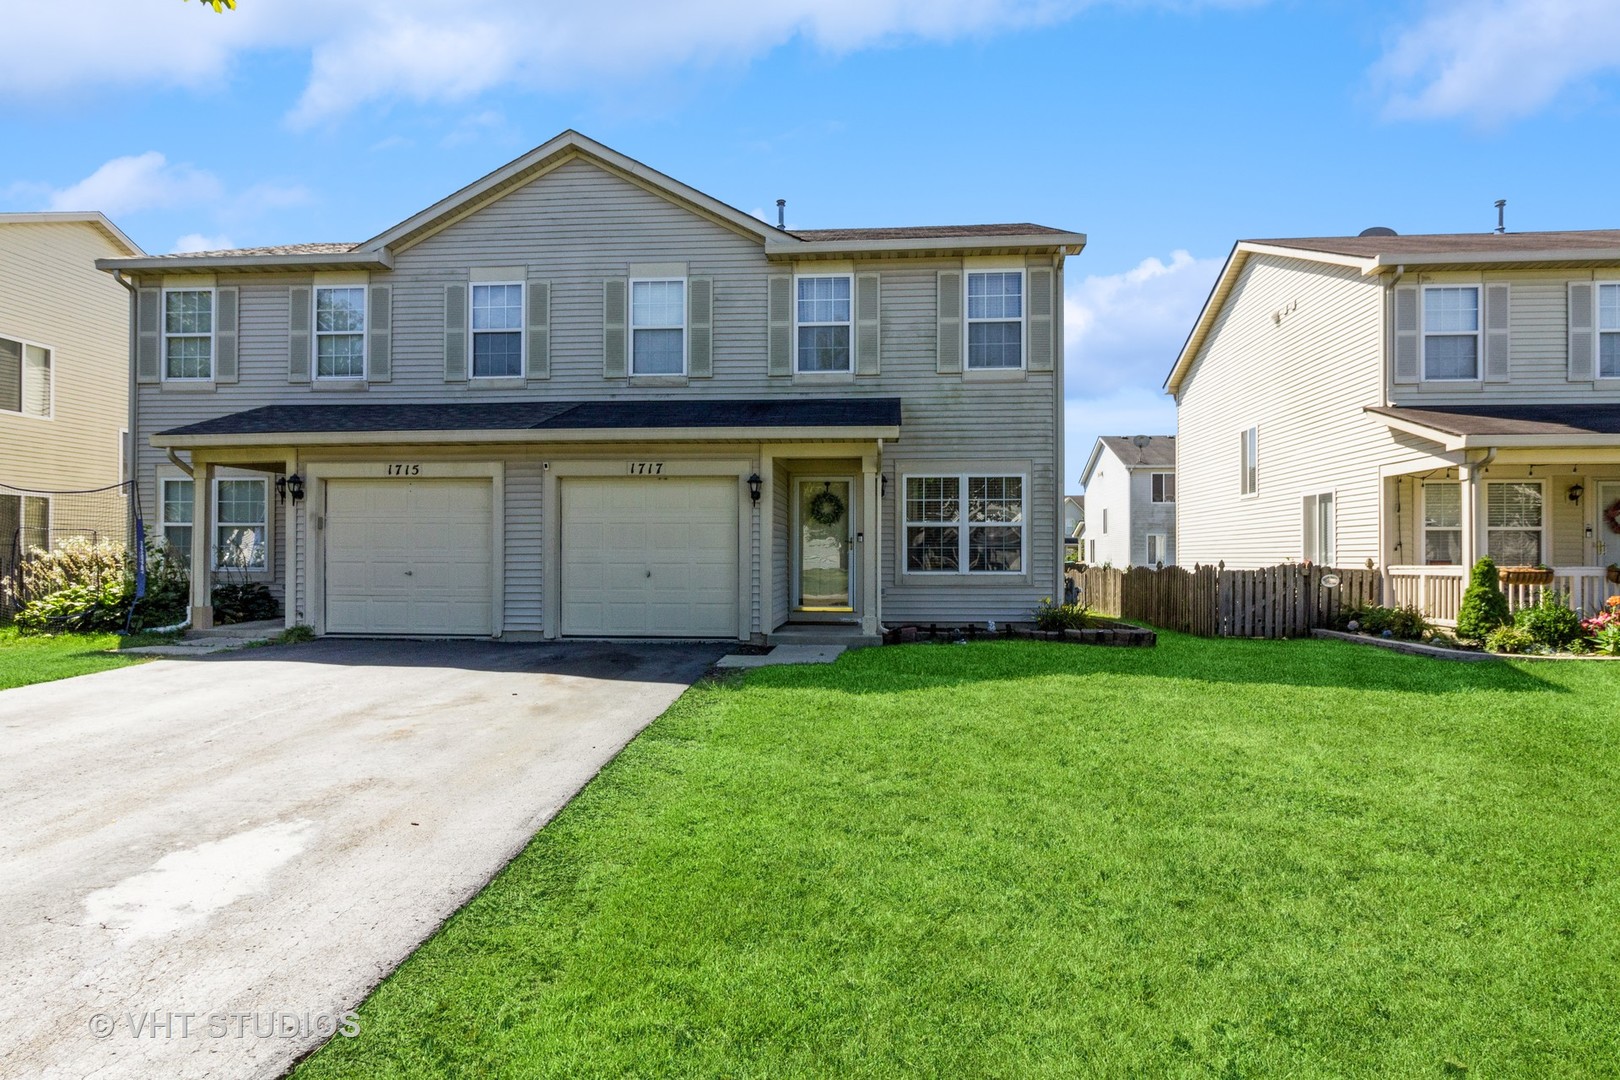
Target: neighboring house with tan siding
1410,403
64,371
580,398
1131,496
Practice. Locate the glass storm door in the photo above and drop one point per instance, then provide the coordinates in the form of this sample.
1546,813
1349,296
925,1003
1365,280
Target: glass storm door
824,545
1607,545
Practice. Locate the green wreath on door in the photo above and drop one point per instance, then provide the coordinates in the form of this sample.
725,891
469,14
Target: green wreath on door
825,508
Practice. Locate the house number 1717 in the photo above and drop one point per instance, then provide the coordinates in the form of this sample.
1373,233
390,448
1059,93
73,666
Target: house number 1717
646,468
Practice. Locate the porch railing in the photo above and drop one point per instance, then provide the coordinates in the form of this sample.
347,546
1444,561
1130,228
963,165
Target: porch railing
1437,590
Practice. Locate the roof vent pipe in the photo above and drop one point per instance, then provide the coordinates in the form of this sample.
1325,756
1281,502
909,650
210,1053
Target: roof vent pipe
1501,216
781,214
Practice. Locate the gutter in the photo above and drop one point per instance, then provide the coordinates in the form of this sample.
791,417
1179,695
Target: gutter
129,450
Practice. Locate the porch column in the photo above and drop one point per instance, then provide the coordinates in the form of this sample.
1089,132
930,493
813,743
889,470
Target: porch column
1473,512
289,549
202,545
870,545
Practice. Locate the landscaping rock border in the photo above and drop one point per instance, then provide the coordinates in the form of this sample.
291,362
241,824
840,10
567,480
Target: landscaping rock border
1110,633
1417,648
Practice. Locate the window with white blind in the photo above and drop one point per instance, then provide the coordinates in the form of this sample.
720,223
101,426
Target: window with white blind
497,330
1451,332
1442,523
995,320
1608,329
25,378
658,327
823,314
1514,522
964,524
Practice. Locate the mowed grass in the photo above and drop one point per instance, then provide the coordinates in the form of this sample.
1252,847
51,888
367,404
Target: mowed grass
1017,859
26,659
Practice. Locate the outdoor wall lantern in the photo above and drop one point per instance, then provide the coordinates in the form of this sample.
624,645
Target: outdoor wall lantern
290,485
1575,493
753,487
883,485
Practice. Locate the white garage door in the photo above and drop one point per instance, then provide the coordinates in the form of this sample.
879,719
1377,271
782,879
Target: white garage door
649,557
409,557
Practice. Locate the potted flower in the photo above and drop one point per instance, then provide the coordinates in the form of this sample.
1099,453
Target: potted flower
1525,575
1612,573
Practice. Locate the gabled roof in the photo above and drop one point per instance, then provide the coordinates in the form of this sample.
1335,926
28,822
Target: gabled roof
1379,255
378,252
1159,452
76,217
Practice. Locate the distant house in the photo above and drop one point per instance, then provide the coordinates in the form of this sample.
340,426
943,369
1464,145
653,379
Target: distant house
1074,524
64,377
1131,501
1409,403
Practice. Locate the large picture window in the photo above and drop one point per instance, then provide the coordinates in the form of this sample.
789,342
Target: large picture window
1451,332
658,327
1513,522
25,378
340,333
995,320
1609,331
965,524
1442,524
497,330
188,334
823,313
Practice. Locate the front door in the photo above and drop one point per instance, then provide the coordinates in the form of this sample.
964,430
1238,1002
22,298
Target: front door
1607,547
825,543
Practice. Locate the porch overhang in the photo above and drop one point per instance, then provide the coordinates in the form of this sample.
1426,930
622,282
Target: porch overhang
663,420
1508,427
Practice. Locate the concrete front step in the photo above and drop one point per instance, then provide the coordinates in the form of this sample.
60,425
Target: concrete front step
821,634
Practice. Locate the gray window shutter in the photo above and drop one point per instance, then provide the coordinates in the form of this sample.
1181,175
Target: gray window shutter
148,339
700,327
948,345
539,320
1039,319
868,324
779,316
226,302
380,334
455,332
1582,331
300,299
615,330
1406,334
1497,343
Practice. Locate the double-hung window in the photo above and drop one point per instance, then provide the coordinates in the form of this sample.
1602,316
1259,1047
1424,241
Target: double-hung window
1249,464
1442,523
1608,331
340,332
1164,487
497,330
241,519
1451,332
823,313
176,513
1320,529
1513,522
995,320
981,533
188,334
25,378
658,327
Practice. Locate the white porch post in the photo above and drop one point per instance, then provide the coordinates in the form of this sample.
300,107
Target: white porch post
289,548
202,546
870,518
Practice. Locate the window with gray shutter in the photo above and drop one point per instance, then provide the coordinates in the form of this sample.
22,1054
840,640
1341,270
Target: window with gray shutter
1406,334
779,320
948,343
539,319
1582,331
700,327
455,332
1497,343
148,315
868,324
226,302
379,360
300,301
615,317
1041,347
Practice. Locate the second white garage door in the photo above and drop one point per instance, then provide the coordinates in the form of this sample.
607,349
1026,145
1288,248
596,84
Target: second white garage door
649,557
409,557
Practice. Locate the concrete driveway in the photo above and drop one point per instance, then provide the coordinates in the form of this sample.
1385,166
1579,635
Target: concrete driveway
257,838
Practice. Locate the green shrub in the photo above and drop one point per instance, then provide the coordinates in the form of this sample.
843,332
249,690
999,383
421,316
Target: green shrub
296,635
1484,608
243,603
1550,622
1050,616
168,590
1510,639
1607,640
79,608
1406,623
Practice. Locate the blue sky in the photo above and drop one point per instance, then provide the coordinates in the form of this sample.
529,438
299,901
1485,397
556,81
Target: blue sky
1165,131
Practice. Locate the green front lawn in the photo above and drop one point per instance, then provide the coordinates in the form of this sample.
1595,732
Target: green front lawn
26,659
1216,858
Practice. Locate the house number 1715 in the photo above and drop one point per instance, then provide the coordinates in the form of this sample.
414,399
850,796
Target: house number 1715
404,470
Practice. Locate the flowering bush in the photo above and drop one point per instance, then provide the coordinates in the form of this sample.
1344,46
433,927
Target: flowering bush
1609,616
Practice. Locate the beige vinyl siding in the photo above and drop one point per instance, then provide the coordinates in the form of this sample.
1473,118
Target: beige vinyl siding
525,545
781,511
1538,336
51,294
1303,380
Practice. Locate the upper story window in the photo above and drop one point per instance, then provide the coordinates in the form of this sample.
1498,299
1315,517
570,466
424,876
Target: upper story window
823,313
1451,332
995,320
340,332
1608,331
1164,487
25,378
497,330
188,334
658,325
1249,467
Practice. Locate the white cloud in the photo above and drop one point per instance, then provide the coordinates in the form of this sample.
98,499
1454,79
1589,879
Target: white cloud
1126,329
1497,61
198,242
126,185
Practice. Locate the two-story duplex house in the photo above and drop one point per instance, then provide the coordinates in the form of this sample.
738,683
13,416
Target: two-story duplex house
1131,492
64,378
1409,403
580,398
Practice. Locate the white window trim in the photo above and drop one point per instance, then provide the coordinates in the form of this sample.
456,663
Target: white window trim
1245,490
686,338
24,344
1541,528
1022,320
163,521
1168,482
522,333
1423,530
962,524
1425,333
1163,545
850,323
365,333
215,525
1310,540
213,334
1597,333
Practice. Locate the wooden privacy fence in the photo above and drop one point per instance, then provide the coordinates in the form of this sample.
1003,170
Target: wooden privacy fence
1212,601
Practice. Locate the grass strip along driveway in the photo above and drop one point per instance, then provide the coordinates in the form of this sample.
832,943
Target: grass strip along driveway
27,659
1216,858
